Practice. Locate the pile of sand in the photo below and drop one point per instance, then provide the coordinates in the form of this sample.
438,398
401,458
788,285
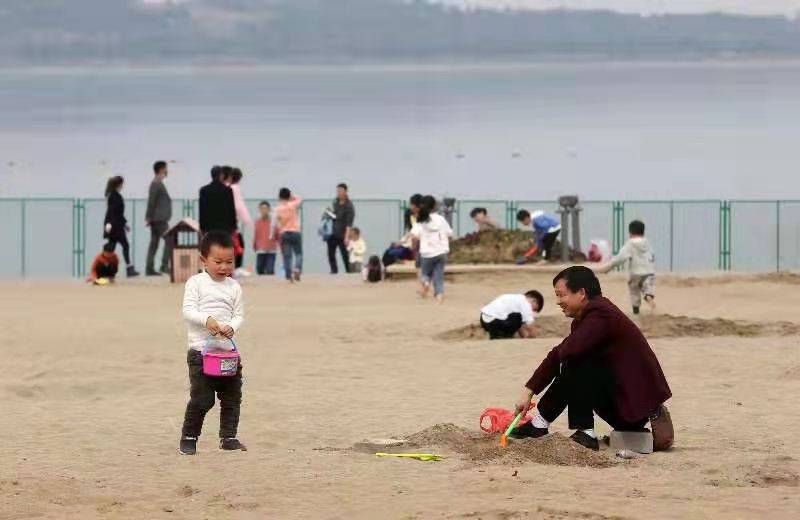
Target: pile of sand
725,279
479,447
500,246
653,326
775,471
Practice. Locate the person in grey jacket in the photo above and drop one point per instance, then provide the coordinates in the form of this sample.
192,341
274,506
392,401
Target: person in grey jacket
638,254
344,214
158,215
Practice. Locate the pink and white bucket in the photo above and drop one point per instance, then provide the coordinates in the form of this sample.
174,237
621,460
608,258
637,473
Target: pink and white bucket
220,363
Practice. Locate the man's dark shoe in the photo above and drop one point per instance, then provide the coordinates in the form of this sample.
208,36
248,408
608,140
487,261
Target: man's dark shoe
131,272
585,440
152,273
231,444
188,446
528,430
165,270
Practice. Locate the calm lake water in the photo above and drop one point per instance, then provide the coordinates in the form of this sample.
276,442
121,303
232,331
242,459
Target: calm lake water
604,131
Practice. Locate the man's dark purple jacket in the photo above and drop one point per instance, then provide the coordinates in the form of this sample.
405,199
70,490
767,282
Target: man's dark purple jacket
605,337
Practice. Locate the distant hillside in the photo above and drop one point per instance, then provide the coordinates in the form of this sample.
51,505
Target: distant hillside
67,31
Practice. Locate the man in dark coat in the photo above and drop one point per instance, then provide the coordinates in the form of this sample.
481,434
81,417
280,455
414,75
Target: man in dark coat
604,366
217,211
344,214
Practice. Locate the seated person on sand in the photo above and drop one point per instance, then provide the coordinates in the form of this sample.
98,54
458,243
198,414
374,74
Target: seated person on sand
399,251
483,220
605,366
104,266
510,315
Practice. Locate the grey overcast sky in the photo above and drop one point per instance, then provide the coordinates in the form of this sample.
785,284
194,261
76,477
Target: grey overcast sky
751,7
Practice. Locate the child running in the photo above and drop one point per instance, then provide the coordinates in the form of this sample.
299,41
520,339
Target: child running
287,225
264,243
641,266
212,308
510,315
433,233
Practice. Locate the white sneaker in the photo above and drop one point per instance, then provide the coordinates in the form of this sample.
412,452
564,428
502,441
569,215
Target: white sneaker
241,273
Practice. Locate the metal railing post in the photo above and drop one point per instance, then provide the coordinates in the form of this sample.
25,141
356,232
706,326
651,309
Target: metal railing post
671,235
778,236
22,238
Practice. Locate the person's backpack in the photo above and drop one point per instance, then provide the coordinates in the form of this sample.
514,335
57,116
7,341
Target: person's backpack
326,226
374,270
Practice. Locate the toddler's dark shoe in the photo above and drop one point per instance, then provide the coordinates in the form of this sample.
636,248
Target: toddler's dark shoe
528,430
231,444
586,440
188,446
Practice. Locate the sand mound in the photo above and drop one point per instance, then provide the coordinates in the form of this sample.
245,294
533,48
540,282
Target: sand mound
792,374
653,326
479,447
666,326
774,471
724,279
501,246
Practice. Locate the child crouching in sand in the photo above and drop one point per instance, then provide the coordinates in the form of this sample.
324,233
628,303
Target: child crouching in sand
212,307
105,266
510,315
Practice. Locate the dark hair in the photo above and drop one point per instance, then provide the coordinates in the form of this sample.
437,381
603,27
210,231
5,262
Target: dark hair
285,194
636,227
536,295
477,211
426,206
522,215
158,166
226,173
215,238
109,247
342,185
374,269
415,200
264,203
113,184
236,175
579,277
216,171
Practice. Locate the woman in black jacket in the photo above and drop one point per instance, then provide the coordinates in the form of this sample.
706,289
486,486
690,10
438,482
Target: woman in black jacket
116,226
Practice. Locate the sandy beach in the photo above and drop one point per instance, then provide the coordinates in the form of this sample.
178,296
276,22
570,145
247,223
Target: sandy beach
95,386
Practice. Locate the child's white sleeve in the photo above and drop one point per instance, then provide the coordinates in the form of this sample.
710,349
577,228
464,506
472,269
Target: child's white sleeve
623,256
238,311
448,229
191,307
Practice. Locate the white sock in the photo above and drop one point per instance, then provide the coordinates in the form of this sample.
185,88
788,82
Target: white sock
540,422
590,433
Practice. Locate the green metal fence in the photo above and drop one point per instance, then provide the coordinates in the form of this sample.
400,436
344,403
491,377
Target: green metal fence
57,237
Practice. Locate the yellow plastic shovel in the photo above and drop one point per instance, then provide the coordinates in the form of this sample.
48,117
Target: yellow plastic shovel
425,457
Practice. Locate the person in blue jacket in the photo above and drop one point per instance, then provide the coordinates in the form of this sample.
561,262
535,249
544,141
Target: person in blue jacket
545,227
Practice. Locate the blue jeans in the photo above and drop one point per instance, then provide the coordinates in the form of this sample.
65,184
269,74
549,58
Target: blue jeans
265,263
433,272
292,245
